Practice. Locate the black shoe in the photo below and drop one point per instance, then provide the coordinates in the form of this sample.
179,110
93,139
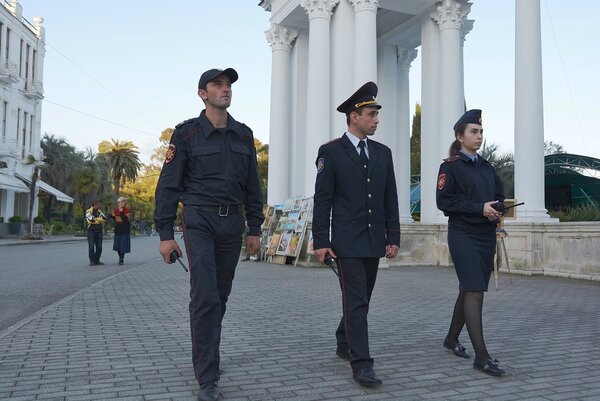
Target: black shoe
92,263
121,262
459,350
344,354
366,377
490,367
98,263
208,392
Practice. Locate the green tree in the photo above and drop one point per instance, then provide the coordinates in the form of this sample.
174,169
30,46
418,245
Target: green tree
123,161
504,163
262,157
415,142
158,155
551,148
61,165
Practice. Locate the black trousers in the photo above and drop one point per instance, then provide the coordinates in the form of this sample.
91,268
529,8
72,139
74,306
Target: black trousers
213,244
94,238
357,280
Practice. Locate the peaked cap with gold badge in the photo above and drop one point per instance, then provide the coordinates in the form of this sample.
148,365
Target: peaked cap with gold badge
363,97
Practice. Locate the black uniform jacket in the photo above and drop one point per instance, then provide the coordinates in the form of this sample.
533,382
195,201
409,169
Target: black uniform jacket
463,187
205,166
363,202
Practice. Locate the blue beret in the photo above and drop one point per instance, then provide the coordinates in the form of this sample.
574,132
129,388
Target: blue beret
363,97
470,117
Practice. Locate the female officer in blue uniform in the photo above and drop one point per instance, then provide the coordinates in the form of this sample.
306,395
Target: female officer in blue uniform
467,189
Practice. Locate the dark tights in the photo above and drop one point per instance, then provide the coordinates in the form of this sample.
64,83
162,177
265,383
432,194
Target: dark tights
467,309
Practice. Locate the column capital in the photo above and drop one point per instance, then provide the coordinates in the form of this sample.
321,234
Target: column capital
318,8
449,14
280,37
466,27
405,57
365,5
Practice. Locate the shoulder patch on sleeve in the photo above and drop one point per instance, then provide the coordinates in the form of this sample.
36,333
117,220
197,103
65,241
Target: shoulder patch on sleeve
441,183
170,154
320,165
189,120
452,159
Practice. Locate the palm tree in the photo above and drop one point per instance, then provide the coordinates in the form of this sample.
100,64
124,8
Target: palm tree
123,160
62,162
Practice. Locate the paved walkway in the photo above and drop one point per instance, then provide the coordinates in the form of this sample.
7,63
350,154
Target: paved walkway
127,338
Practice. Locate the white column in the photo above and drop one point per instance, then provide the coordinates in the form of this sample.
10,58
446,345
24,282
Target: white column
318,90
365,39
387,82
9,209
298,115
280,39
529,113
402,161
449,15
342,63
430,104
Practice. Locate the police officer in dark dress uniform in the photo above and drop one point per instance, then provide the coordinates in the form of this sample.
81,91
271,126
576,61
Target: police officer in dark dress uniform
467,189
355,184
211,168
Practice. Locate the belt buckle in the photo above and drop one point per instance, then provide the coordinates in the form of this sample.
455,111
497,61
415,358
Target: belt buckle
224,214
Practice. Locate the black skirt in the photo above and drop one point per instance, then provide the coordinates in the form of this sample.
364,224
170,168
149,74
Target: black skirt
472,251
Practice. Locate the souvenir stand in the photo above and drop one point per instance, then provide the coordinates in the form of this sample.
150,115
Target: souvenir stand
284,239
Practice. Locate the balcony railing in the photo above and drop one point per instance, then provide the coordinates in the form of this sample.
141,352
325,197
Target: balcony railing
9,72
34,89
8,147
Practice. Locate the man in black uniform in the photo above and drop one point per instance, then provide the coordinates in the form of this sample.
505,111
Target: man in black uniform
211,168
356,184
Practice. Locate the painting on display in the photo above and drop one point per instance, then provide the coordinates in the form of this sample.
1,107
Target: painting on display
272,249
283,243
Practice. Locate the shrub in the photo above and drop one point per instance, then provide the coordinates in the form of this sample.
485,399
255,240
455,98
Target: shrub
578,213
16,219
58,226
39,220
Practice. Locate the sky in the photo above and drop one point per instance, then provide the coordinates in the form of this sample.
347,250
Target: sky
129,69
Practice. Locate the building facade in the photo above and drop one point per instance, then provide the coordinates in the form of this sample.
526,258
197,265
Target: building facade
323,50
22,50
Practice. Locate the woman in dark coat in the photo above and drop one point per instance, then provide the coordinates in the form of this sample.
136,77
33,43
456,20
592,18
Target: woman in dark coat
467,190
122,215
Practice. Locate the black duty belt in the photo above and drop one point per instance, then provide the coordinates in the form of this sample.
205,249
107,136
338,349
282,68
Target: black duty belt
223,210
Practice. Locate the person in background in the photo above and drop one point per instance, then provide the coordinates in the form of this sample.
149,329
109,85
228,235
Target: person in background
94,218
122,217
468,187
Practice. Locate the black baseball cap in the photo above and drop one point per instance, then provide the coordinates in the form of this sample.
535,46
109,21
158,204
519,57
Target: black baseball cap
211,74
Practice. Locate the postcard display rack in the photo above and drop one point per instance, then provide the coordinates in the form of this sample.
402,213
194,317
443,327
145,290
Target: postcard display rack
286,232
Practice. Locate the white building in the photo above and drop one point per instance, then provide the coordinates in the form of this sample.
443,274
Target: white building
323,50
22,51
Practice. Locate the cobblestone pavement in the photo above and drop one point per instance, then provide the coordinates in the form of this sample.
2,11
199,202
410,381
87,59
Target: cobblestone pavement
127,338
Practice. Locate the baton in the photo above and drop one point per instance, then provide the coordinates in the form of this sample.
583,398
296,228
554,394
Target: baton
329,261
174,256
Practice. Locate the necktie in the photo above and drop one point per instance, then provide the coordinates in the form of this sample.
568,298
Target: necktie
363,155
